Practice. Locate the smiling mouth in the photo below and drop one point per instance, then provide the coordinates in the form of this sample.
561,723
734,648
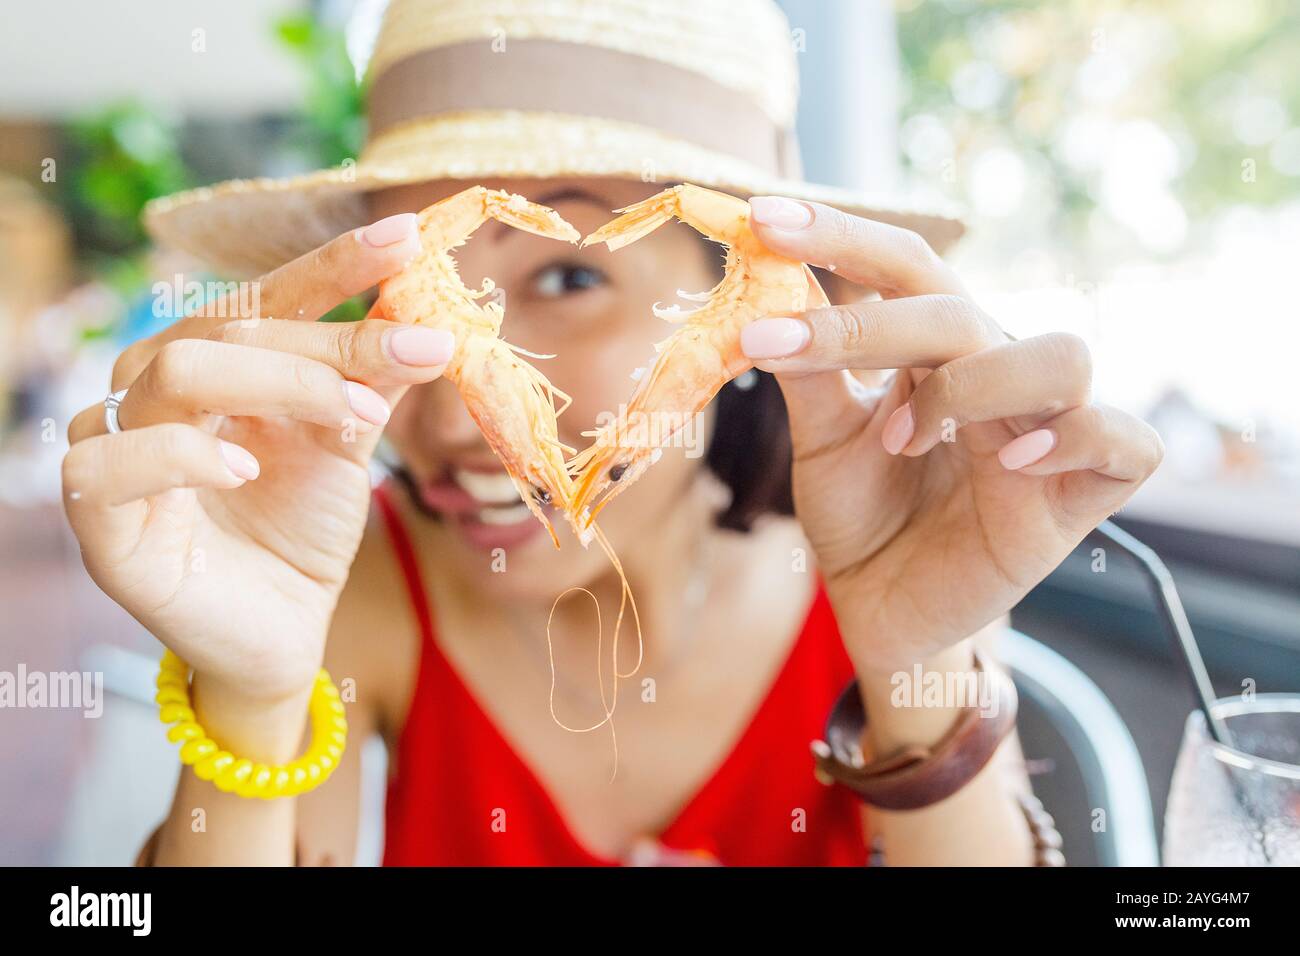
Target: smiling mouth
478,501
493,498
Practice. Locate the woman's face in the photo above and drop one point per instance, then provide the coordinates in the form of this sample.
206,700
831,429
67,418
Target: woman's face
592,310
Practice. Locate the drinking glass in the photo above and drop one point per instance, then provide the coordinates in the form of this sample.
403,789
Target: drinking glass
1239,805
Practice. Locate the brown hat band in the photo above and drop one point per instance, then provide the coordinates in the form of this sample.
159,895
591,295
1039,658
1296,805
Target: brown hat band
541,75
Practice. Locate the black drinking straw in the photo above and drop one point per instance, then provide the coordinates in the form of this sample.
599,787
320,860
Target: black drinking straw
1175,618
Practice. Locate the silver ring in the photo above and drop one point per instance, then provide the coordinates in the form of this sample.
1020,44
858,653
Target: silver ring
110,411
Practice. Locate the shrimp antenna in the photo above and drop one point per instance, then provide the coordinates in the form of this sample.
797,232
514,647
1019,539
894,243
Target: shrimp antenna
626,600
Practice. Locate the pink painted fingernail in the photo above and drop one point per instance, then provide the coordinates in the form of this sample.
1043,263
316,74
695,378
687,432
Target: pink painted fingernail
780,213
240,462
898,430
390,231
420,346
774,338
1027,449
367,403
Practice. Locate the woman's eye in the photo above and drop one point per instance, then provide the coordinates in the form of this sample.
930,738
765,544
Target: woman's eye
557,280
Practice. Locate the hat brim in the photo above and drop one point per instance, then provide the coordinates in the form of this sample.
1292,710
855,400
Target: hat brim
247,227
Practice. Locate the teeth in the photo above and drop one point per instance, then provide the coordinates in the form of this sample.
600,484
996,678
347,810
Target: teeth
513,515
491,489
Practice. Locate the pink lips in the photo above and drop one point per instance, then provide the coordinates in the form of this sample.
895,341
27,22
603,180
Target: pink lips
489,537
448,498
445,496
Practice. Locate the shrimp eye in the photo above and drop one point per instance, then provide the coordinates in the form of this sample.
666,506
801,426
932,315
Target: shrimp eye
541,495
617,472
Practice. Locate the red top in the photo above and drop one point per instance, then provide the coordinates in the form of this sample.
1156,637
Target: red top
455,772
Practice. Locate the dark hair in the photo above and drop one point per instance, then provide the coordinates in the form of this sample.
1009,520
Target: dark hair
750,450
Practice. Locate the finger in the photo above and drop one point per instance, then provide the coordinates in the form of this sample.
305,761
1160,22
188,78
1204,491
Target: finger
107,478
87,423
192,379
304,289
892,260
110,471
1099,455
917,332
312,284
373,351
1095,438
1028,381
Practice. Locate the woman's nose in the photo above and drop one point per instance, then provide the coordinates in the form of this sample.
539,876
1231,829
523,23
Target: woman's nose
444,418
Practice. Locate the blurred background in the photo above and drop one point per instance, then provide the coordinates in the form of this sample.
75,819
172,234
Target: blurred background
1131,172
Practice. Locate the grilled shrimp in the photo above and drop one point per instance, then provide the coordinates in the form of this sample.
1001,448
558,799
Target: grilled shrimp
513,404
703,354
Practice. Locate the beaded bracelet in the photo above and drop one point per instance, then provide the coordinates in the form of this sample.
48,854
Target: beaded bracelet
243,777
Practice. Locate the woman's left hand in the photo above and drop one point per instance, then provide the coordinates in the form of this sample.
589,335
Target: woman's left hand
934,503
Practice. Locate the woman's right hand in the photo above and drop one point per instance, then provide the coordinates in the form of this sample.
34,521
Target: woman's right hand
226,514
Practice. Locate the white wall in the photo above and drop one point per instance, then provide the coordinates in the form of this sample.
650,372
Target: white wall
62,56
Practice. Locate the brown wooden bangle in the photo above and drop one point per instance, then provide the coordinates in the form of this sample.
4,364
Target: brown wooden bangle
917,776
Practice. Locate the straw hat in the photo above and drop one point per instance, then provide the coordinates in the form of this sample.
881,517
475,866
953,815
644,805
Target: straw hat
702,91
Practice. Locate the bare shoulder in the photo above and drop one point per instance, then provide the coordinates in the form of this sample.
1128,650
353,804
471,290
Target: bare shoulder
775,555
766,577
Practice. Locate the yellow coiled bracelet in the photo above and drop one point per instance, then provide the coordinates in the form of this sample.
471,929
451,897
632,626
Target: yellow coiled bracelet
244,777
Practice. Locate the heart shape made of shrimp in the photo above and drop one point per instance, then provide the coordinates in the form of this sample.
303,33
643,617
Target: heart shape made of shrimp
515,405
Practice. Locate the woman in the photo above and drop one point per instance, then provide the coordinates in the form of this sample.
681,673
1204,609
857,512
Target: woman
231,514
